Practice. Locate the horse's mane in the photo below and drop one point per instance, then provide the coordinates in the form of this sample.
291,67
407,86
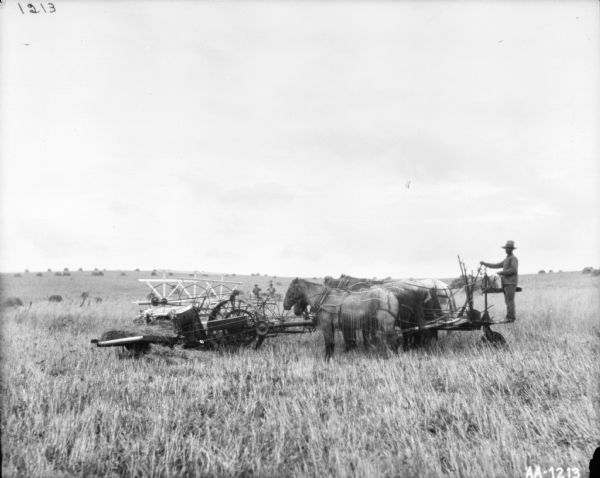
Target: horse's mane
310,282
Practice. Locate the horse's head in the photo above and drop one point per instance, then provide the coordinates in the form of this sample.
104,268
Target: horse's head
300,307
293,295
330,281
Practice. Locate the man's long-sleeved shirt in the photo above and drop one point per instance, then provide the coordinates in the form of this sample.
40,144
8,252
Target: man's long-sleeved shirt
510,270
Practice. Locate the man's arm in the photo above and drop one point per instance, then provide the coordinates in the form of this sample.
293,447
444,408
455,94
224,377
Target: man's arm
493,266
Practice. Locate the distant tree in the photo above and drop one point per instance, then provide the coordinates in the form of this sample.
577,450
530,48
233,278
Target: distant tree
55,298
66,271
153,273
39,274
123,274
587,270
137,269
596,272
26,271
49,270
170,273
12,302
80,269
541,271
550,271
58,273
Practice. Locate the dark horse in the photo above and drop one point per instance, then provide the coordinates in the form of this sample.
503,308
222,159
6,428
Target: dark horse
419,302
371,309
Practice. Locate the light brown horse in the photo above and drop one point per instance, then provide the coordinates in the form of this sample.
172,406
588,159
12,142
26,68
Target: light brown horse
419,301
371,309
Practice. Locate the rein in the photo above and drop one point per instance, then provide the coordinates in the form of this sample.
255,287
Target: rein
319,305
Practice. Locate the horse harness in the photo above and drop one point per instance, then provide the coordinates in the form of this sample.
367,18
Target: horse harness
325,294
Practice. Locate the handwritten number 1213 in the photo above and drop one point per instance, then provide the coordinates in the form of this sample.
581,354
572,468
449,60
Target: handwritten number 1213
31,8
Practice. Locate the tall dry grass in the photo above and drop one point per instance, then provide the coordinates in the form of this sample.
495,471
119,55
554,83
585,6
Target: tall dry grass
457,408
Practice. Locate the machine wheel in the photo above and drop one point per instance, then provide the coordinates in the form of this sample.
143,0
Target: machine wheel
261,329
241,333
495,339
246,333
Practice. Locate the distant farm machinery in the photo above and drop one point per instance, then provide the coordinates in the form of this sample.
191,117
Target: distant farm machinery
198,313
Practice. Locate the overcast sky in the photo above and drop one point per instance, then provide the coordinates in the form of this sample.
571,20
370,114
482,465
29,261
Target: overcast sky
300,138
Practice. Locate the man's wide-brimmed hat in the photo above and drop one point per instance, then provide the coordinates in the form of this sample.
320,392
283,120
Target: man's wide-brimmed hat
509,245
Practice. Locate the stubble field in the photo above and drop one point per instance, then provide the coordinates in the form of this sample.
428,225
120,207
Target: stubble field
456,408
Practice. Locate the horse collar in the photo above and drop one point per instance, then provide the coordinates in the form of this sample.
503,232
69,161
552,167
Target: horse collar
319,303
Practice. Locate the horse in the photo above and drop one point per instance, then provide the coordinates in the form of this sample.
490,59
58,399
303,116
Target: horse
419,301
442,291
374,308
351,283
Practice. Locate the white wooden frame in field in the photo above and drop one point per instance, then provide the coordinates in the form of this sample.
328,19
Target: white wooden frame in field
203,290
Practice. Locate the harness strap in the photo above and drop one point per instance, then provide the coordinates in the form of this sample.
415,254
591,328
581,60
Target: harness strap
319,303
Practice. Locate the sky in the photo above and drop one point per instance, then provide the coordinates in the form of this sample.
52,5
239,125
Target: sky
299,138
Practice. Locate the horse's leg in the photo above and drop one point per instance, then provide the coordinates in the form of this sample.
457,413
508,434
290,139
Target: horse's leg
417,339
393,341
427,337
348,322
329,351
391,336
386,323
328,334
367,333
398,341
349,333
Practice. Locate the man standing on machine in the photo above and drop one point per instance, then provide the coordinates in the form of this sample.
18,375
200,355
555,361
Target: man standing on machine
510,278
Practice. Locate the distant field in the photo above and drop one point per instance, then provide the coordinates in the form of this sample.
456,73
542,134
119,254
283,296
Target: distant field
112,285
456,408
